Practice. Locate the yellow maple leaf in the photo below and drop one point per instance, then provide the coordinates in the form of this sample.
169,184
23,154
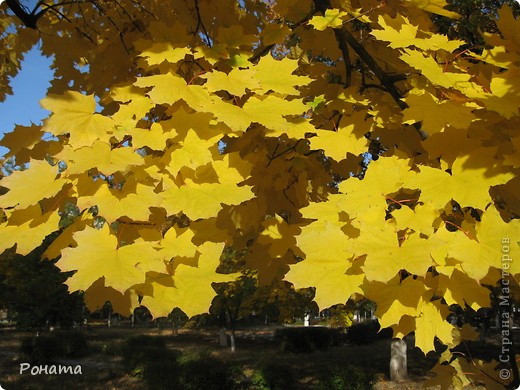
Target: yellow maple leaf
439,41
169,88
395,299
277,76
155,138
133,105
503,99
44,180
278,236
398,31
434,72
325,267
328,210
509,27
492,234
192,152
461,290
156,53
449,376
384,176
337,144
20,141
266,110
468,183
235,82
412,254
431,323
65,239
333,18
434,6
101,156
270,111
122,267
420,219
133,200
212,54
204,200
234,36
74,113
177,242
27,229
275,33
436,115
97,296
190,286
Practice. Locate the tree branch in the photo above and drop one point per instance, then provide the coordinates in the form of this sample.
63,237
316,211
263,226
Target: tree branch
200,25
344,37
262,51
28,19
342,42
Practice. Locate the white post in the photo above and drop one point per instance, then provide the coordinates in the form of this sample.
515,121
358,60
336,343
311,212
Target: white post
398,363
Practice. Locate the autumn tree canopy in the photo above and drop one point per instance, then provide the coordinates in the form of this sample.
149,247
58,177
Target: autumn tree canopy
351,146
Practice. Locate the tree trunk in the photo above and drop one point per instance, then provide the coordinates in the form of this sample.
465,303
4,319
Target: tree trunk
306,319
109,316
398,365
222,337
232,339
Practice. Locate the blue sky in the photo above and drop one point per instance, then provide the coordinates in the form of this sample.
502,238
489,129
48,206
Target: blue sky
29,86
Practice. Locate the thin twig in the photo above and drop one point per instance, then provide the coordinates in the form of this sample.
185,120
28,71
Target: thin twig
200,24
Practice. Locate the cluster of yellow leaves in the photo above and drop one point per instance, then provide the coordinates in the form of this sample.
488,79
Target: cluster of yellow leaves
195,143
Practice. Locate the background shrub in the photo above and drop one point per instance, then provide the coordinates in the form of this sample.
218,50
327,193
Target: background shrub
136,349
345,378
149,358
61,344
367,332
203,371
274,376
307,339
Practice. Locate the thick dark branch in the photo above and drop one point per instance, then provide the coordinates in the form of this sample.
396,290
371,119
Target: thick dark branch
260,53
344,37
28,19
342,42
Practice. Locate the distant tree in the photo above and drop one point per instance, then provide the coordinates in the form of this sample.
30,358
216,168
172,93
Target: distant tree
33,291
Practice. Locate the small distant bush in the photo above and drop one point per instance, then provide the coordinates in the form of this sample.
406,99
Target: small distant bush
203,371
148,358
47,347
41,349
74,343
198,321
367,332
162,371
307,339
110,349
345,378
273,376
136,350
